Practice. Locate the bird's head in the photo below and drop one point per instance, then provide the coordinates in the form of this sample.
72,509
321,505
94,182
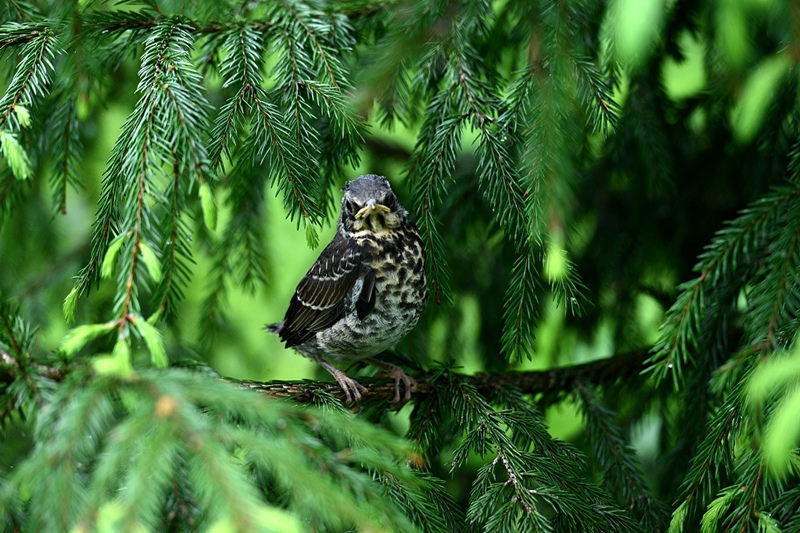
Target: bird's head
370,205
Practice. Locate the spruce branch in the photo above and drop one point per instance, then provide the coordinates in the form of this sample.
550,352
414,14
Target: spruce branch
498,174
787,505
749,493
166,127
19,10
433,158
520,313
21,33
712,465
33,73
770,311
523,477
9,333
537,119
240,67
617,460
27,381
272,136
729,255
66,148
513,107
427,420
175,247
645,138
596,95
313,33
431,510
112,23
227,448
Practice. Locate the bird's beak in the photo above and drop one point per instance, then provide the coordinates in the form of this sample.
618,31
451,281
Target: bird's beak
371,207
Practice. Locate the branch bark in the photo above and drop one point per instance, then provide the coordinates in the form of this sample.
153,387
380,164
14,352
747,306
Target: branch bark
599,372
624,367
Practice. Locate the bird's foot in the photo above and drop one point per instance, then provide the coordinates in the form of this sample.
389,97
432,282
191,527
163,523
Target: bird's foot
399,375
352,389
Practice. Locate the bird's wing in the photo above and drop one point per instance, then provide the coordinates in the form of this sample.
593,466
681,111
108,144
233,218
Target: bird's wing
321,298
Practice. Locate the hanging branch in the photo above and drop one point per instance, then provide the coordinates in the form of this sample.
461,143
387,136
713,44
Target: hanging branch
721,263
617,460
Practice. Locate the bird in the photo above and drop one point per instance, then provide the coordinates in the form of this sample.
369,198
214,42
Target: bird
366,290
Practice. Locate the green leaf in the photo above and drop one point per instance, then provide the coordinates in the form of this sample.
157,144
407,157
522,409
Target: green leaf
116,364
716,509
679,518
76,338
70,306
23,115
110,259
782,436
637,26
209,206
757,95
772,377
154,340
151,261
15,156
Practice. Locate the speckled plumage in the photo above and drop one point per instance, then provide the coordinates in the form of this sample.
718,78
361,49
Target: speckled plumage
366,290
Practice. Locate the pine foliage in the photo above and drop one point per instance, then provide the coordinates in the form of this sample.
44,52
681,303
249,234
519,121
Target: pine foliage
573,185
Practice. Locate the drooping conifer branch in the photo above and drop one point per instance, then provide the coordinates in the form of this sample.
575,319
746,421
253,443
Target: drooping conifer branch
67,148
617,461
32,75
721,263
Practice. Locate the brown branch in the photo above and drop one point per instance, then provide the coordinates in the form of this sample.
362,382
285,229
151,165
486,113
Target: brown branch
603,371
563,379
10,368
6,360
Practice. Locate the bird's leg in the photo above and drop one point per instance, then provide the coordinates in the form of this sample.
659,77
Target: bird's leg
399,375
347,384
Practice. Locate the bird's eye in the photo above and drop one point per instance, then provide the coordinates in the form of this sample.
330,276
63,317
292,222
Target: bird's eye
351,206
390,201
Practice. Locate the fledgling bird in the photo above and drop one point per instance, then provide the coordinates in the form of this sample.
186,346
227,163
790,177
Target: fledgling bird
366,290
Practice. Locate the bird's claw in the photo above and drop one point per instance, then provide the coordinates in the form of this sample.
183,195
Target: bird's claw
349,385
352,389
399,375
409,383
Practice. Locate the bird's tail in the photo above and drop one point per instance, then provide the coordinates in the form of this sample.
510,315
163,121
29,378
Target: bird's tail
275,328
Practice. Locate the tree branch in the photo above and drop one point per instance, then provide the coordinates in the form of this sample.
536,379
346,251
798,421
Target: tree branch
10,368
600,372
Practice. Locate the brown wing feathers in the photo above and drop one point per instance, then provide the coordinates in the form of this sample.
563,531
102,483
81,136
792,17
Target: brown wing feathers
366,300
320,298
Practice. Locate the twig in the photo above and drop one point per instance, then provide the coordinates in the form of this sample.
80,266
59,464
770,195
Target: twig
9,368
